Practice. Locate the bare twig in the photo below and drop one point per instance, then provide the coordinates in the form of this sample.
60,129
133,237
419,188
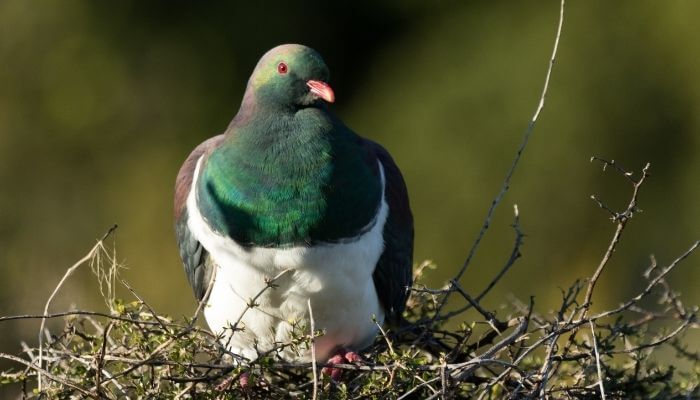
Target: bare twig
313,350
659,341
153,312
83,313
417,387
597,362
622,219
514,254
204,299
383,332
252,303
614,164
68,273
100,359
506,182
40,371
487,355
652,283
497,325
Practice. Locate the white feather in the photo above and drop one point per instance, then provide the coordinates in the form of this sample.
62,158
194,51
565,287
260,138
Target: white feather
336,277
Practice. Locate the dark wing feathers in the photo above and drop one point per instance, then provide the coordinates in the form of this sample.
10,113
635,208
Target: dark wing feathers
195,258
393,274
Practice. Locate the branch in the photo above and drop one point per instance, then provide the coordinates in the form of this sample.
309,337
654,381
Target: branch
40,371
622,219
68,273
83,312
597,362
269,283
506,182
313,350
650,285
514,254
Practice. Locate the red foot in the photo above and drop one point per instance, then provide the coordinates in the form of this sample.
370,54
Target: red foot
242,380
341,357
352,357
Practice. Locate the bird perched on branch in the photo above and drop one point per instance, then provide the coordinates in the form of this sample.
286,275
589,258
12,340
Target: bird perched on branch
289,191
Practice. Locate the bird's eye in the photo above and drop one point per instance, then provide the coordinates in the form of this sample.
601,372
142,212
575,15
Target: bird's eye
282,68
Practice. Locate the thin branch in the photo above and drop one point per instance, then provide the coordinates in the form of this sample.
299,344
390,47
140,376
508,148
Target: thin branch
204,299
614,164
659,341
514,255
82,312
415,388
597,362
252,303
68,273
313,350
496,324
622,220
652,283
153,312
384,335
486,356
40,371
100,359
506,182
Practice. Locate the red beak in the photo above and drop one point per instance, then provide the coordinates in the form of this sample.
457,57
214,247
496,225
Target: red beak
322,90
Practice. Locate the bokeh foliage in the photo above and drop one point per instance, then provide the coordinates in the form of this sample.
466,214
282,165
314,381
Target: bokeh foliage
101,101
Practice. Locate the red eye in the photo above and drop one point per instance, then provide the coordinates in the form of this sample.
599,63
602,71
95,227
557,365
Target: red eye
282,68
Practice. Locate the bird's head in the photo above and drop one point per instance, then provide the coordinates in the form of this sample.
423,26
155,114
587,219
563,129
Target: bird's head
291,75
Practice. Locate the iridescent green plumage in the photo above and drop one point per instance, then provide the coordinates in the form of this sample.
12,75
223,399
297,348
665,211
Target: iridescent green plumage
301,178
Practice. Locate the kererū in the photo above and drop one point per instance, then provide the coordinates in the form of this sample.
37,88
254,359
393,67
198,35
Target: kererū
288,190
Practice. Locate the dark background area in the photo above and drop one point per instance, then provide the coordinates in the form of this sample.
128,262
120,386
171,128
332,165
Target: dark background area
100,102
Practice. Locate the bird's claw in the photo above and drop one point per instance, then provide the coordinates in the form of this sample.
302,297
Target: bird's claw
243,381
342,357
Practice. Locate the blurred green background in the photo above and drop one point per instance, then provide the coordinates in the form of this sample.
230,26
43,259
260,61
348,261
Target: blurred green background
101,101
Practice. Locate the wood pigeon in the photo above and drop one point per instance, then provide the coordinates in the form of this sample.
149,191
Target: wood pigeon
288,187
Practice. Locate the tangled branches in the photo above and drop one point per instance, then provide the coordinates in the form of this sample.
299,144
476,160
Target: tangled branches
131,351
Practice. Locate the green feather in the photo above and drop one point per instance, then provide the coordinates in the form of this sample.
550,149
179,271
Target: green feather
305,182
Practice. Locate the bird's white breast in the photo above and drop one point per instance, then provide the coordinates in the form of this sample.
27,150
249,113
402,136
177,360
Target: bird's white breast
335,277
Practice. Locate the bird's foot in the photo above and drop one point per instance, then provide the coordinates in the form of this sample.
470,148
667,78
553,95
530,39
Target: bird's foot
243,381
342,357
353,358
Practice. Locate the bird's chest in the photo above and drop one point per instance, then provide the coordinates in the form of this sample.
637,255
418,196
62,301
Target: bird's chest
267,291
291,191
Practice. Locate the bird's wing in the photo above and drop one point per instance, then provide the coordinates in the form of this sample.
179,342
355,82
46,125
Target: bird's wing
195,257
393,274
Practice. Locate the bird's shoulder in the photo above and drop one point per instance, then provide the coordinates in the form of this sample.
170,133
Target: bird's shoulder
185,176
195,258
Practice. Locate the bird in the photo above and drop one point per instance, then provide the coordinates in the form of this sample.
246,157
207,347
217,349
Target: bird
290,214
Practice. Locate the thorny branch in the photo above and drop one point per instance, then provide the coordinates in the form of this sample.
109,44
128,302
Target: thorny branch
95,249
621,218
133,351
499,357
